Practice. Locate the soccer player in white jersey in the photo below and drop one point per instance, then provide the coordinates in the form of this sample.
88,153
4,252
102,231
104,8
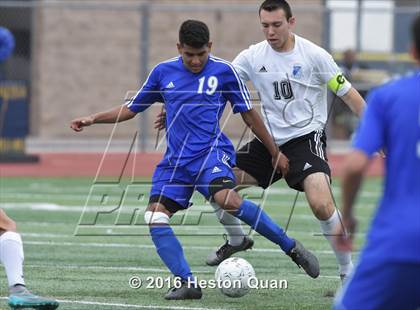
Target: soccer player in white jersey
11,256
291,75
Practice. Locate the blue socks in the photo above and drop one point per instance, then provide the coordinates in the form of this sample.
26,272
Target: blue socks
255,217
172,254
170,251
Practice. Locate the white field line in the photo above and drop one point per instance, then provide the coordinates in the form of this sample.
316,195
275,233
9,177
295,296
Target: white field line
105,304
43,207
58,236
82,196
85,189
142,269
110,268
60,225
52,207
146,246
45,235
39,187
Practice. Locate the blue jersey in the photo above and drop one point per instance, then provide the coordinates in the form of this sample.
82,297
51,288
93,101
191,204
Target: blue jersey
194,103
392,122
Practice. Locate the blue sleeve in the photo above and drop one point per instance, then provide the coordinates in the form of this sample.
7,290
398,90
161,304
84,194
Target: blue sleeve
370,136
148,94
236,92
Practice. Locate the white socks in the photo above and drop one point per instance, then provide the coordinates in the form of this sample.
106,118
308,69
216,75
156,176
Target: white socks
11,256
343,258
236,235
232,225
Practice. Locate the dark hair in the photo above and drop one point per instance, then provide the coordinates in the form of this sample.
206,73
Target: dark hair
194,33
416,32
273,5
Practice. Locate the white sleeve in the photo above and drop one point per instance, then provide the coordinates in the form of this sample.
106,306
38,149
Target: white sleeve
330,74
243,66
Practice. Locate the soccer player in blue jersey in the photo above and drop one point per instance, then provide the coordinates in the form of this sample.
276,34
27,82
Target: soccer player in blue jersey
195,87
388,273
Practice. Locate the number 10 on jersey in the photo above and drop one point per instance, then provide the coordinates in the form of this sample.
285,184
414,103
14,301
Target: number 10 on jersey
282,90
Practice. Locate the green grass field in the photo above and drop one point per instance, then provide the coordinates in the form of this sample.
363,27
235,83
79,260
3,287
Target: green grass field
93,271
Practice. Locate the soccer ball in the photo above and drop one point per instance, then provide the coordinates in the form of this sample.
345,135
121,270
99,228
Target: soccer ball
232,276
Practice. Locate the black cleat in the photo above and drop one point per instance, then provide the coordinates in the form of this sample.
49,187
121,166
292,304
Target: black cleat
227,250
305,259
184,292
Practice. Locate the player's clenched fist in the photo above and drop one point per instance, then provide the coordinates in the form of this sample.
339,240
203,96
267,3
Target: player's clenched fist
281,163
78,123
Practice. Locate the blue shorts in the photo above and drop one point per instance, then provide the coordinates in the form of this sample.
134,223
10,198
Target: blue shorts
177,183
381,285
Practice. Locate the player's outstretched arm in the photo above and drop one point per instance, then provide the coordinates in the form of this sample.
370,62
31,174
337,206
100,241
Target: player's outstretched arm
355,101
115,115
253,121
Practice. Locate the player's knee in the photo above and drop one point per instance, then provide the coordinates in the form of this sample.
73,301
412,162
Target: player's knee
322,210
222,192
10,226
228,200
233,202
156,218
6,223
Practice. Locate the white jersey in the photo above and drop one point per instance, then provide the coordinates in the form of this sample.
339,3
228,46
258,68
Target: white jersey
292,86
